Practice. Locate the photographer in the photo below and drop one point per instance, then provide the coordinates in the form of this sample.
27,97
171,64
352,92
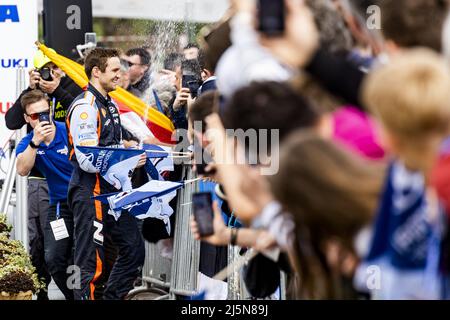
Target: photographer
47,77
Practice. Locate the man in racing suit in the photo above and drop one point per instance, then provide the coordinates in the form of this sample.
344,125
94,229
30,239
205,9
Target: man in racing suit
93,120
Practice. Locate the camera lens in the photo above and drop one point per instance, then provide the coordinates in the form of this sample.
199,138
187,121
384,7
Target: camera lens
45,74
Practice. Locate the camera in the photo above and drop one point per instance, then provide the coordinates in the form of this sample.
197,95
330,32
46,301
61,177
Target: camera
271,16
46,74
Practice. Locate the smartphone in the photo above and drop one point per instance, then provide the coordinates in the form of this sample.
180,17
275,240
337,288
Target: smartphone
45,116
271,17
186,79
203,212
191,71
193,86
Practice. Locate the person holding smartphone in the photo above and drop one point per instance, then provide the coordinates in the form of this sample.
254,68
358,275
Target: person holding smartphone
46,148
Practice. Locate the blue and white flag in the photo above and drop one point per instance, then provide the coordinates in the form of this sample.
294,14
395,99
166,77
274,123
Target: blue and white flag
152,172
150,200
155,151
115,165
405,242
155,207
159,156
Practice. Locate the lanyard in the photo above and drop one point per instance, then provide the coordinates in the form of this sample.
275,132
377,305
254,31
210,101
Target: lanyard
54,107
232,221
57,210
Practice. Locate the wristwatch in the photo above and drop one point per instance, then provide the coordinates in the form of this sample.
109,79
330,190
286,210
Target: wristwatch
233,237
32,145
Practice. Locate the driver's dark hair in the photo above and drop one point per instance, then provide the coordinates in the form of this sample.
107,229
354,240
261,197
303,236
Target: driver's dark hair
99,58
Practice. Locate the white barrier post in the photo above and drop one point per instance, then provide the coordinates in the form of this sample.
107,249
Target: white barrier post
21,218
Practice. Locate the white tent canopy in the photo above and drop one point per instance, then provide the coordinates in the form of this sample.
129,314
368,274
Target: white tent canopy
175,10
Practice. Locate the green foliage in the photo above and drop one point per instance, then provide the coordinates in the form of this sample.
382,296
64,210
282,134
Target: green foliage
16,270
5,227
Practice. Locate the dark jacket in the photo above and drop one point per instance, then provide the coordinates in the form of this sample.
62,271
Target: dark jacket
208,85
63,95
140,87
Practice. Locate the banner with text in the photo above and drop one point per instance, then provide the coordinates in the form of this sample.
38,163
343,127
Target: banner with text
19,30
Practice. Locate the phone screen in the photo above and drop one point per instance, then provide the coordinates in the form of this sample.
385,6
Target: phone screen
203,212
271,17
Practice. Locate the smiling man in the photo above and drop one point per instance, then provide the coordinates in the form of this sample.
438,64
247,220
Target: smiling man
93,120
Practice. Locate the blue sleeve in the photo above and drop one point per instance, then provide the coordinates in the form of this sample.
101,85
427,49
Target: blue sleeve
61,128
23,144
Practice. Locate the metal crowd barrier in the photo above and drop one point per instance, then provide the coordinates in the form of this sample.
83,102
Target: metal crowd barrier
169,278
186,250
178,277
20,218
235,283
8,183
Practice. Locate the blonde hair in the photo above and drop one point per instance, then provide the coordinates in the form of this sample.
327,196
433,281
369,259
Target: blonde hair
411,98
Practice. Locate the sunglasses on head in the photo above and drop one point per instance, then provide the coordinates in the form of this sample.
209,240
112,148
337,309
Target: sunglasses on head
35,116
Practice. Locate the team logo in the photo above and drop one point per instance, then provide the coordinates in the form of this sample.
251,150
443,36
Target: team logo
84,116
63,151
90,157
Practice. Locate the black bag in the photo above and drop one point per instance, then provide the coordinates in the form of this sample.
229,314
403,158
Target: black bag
262,275
154,229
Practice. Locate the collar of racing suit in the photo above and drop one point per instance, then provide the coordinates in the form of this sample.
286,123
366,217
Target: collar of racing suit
104,101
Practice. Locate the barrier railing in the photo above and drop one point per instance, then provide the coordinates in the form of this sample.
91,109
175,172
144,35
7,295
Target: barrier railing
20,220
167,278
186,250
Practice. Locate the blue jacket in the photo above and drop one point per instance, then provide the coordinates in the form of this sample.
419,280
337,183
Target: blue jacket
53,162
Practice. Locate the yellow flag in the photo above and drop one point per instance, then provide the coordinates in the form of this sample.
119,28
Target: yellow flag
76,72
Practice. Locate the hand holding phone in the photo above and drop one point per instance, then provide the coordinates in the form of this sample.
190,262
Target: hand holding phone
203,213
